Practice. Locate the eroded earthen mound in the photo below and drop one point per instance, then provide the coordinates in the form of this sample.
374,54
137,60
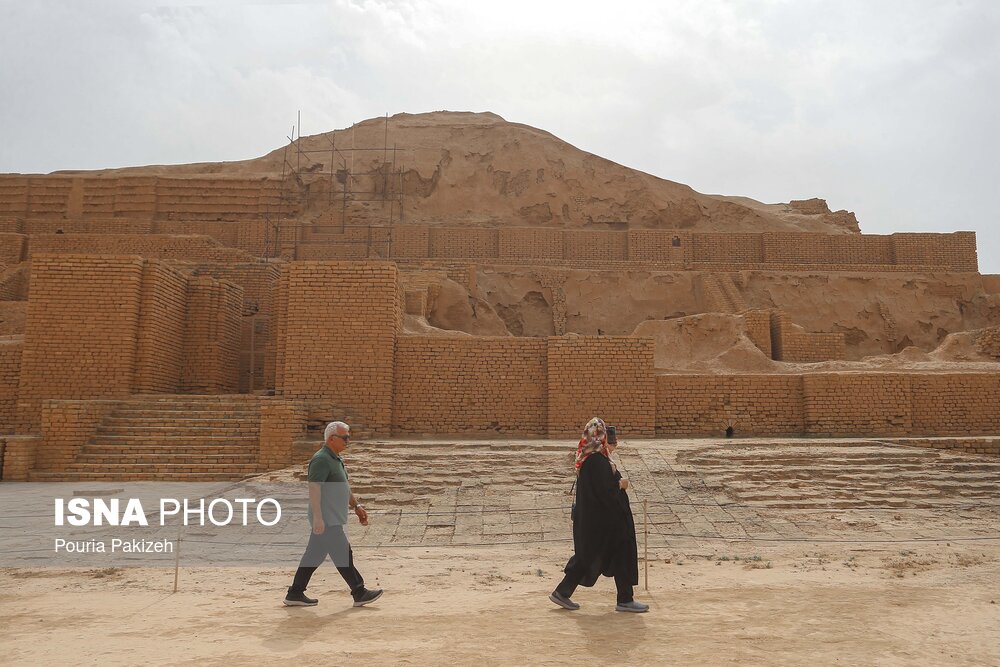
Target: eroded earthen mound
477,168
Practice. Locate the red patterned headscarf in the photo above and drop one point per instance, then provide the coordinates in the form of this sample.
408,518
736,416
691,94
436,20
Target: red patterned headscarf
594,439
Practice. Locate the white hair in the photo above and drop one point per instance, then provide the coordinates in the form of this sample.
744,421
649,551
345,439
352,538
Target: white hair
335,428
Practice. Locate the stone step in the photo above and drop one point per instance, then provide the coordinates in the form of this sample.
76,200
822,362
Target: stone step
880,472
181,420
780,461
159,466
116,476
916,503
820,494
206,401
873,462
134,440
152,460
147,414
919,485
95,449
881,479
139,437
193,398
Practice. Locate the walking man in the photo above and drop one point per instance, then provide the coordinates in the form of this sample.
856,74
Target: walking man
330,499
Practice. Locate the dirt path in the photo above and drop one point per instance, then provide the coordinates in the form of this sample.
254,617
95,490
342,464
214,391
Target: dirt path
784,606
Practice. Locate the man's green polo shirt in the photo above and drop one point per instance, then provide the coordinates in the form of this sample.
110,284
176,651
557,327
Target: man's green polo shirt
328,469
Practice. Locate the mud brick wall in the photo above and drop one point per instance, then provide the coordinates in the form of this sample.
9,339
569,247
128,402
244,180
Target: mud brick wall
80,331
858,404
146,245
255,237
415,302
162,315
259,282
531,243
648,245
212,336
13,197
66,426
19,456
88,226
379,244
338,323
141,196
956,250
41,196
808,248
13,248
233,199
10,372
956,404
988,342
215,199
788,343
470,385
464,274
608,377
707,404
14,282
727,248
119,197
274,354
594,246
812,347
331,250
448,242
10,224
281,424
758,323
226,233
411,241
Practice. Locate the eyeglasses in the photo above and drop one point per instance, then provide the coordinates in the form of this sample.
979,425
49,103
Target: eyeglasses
345,438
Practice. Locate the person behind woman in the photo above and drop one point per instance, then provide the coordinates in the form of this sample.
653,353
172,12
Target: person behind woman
603,528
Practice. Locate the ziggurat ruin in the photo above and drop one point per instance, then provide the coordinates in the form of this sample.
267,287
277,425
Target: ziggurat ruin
456,274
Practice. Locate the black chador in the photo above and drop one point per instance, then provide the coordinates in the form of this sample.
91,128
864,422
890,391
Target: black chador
603,531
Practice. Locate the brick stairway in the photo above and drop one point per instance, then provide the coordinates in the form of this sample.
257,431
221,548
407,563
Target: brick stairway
855,474
317,415
722,293
392,474
170,438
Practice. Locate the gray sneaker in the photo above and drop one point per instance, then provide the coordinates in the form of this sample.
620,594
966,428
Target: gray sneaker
633,606
299,600
563,601
367,597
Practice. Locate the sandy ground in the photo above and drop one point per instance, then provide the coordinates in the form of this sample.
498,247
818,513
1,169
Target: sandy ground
928,604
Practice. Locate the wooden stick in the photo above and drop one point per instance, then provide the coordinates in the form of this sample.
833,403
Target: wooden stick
645,540
177,560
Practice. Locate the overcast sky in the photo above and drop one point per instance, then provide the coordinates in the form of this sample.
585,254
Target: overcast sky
888,108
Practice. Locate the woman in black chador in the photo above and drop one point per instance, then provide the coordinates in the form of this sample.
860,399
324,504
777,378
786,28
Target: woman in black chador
603,528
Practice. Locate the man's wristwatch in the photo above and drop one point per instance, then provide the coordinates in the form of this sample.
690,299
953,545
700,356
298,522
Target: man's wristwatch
357,506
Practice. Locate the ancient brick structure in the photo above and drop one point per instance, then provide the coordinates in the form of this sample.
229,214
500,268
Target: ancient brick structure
103,327
177,325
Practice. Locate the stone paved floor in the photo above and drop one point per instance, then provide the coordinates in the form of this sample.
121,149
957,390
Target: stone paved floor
702,495
697,491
